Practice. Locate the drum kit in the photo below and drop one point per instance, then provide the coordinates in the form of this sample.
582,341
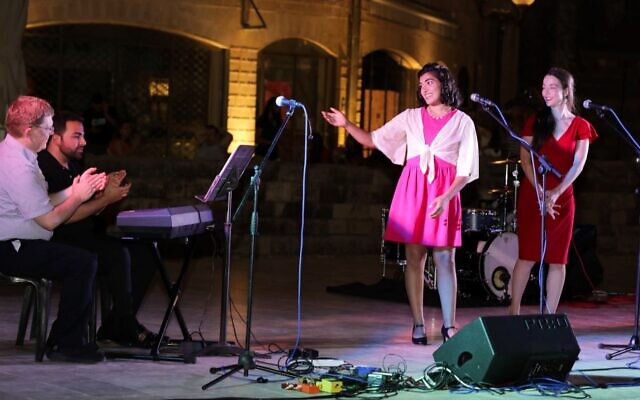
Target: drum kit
484,263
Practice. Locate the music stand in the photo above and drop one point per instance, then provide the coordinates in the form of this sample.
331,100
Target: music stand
224,183
246,360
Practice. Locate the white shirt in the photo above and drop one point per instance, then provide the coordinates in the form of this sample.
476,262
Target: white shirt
23,193
402,138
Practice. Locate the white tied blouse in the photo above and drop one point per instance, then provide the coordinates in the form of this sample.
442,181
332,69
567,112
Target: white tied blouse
402,138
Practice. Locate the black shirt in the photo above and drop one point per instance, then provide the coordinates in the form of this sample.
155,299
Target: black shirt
59,178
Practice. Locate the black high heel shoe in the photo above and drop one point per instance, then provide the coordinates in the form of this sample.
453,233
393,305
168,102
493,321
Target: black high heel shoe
445,332
418,340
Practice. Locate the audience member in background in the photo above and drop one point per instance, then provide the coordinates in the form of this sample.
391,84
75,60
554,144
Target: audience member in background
27,218
125,140
212,143
60,164
100,123
267,126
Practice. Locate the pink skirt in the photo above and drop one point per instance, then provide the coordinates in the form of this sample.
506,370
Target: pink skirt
409,220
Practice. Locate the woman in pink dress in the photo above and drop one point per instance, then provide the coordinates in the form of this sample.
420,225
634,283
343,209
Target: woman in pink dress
563,138
437,144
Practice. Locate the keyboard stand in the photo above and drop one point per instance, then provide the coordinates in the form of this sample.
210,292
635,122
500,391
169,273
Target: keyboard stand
187,346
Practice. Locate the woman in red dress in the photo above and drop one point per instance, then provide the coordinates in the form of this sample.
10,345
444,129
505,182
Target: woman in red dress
563,138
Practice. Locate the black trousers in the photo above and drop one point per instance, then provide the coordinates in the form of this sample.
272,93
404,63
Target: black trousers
127,273
74,268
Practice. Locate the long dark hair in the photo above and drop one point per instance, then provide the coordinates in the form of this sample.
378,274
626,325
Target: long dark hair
449,91
545,123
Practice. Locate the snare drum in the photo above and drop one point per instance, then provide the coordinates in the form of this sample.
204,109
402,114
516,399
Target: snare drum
488,260
477,219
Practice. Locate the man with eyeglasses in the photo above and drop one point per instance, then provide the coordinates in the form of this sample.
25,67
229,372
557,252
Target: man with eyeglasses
27,219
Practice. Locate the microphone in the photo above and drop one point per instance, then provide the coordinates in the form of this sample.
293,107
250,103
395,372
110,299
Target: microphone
589,105
283,101
481,100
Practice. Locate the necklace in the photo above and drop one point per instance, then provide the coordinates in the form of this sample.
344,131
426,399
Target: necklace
432,115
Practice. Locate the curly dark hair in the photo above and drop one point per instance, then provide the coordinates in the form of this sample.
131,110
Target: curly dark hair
61,118
545,123
450,93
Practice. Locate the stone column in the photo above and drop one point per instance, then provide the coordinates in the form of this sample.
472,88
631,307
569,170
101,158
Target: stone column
241,108
353,60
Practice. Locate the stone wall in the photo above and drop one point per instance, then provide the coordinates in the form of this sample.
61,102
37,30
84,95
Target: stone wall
344,202
451,32
605,197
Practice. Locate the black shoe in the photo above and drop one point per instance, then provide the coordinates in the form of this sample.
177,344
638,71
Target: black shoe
137,336
86,354
148,339
125,331
445,332
420,339
103,334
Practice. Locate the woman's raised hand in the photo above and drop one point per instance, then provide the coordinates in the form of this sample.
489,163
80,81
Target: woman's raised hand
334,117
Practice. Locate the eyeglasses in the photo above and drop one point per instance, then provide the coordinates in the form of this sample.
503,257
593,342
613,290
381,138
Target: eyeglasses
48,129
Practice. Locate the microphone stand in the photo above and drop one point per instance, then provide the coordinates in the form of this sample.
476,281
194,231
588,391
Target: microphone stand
544,167
246,360
634,341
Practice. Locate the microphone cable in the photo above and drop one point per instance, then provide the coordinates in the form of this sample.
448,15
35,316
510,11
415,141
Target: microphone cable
307,137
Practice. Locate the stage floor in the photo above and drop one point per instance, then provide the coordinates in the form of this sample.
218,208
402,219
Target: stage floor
357,330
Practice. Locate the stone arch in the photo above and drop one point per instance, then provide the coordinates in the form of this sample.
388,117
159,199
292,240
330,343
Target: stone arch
188,19
401,57
162,82
173,31
315,43
388,86
307,71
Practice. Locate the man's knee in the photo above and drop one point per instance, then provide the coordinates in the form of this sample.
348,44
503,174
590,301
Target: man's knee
112,254
86,263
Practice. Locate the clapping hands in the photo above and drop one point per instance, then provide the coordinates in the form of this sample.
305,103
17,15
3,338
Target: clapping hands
114,190
87,184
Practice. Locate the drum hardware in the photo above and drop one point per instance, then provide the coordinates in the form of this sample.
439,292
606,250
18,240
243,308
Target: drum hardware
394,252
508,160
516,186
383,255
389,251
430,274
499,191
507,223
478,219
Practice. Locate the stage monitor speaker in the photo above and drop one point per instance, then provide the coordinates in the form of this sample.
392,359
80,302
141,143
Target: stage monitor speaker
505,350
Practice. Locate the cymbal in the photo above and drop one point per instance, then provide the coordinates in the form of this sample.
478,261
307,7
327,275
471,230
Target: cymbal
500,191
509,160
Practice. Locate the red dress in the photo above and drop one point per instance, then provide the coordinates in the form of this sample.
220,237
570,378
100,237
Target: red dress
560,154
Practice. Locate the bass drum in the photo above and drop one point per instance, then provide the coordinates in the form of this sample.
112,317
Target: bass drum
488,259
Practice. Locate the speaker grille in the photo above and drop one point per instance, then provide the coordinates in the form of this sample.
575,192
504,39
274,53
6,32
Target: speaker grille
504,350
